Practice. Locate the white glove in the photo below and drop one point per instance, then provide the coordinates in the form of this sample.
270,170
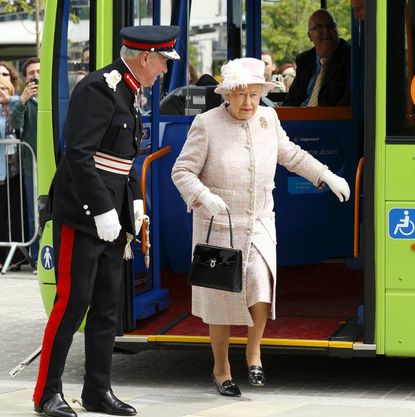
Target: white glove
212,202
108,225
139,215
337,184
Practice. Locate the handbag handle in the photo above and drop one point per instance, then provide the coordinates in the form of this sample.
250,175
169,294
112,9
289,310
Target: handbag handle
230,229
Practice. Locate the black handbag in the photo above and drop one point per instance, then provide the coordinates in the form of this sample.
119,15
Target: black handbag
217,267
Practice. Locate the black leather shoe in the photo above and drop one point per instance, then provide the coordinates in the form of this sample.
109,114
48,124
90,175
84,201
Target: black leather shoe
256,376
55,406
110,404
229,388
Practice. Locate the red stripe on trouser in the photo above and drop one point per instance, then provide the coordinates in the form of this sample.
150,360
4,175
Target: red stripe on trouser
58,311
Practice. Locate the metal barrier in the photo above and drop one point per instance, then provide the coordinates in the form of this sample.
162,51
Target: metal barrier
12,146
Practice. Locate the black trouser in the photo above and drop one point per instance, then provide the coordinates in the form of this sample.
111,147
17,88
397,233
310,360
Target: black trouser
88,273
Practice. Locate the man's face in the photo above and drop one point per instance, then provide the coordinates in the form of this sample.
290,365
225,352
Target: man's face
149,67
322,31
269,66
32,71
359,8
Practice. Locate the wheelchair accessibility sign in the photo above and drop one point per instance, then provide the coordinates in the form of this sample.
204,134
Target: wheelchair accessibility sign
402,223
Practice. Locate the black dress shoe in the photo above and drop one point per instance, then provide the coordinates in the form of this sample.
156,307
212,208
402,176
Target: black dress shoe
110,404
55,406
229,388
256,376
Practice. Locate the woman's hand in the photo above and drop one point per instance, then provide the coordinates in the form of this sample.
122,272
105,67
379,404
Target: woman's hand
337,184
212,202
4,96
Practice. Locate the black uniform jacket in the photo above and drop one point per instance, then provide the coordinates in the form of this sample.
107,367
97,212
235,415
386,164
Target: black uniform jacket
99,119
335,89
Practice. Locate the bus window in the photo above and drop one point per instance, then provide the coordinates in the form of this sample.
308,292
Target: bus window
206,52
400,115
285,34
78,42
143,15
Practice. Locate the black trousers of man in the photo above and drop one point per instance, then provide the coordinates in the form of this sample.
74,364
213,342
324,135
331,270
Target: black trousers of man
88,273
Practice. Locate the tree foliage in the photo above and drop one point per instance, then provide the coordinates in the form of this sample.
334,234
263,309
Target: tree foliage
21,6
285,24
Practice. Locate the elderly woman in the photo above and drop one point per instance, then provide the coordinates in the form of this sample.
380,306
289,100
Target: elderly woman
229,161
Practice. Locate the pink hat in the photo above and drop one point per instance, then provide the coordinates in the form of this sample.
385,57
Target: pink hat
240,72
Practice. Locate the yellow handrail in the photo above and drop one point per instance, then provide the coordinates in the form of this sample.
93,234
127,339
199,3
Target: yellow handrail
146,164
357,208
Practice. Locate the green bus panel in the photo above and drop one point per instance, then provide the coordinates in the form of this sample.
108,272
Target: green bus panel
400,256
400,172
399,290
400,332
48,295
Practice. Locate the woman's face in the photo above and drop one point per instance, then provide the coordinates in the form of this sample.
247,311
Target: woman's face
4,72
244,101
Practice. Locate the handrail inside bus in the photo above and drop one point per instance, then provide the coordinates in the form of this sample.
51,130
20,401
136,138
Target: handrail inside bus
315,113
144,170
357,207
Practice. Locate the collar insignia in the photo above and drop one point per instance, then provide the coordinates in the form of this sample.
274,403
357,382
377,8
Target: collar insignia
112,79
131,82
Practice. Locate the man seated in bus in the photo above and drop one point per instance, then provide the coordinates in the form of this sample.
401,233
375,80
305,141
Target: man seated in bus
323,72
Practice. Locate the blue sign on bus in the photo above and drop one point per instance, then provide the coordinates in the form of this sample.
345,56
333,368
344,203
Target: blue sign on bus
46,257
402,223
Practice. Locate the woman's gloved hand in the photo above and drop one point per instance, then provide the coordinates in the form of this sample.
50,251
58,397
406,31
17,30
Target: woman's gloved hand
108,225
337,184
212,202
139,215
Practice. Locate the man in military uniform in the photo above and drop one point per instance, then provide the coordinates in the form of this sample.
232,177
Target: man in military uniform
96,201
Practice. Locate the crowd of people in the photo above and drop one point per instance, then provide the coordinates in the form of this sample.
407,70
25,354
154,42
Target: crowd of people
18,120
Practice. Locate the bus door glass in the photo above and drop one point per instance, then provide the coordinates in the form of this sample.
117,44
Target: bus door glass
400,71
74,55
78,42
315,231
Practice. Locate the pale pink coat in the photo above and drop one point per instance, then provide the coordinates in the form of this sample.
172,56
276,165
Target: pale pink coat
237,161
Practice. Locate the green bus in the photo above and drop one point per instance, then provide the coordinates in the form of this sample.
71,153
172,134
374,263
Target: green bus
346,279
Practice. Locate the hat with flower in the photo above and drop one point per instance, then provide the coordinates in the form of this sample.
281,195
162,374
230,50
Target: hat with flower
240,72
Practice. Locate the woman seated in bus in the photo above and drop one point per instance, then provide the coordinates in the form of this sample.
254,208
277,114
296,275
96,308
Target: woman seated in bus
229,161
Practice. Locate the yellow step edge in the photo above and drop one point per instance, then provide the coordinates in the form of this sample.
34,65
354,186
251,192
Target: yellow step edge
243,340
341,345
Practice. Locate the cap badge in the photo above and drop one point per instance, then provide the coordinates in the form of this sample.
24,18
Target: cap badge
263,122
112,79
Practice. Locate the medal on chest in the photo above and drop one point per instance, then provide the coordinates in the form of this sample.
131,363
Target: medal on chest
137,102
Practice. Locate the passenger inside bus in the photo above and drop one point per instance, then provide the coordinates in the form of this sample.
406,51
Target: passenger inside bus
359,9
200,98
323,72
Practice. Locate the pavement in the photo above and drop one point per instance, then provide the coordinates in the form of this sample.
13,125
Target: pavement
175,382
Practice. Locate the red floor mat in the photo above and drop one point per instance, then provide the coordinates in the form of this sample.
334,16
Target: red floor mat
312,303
